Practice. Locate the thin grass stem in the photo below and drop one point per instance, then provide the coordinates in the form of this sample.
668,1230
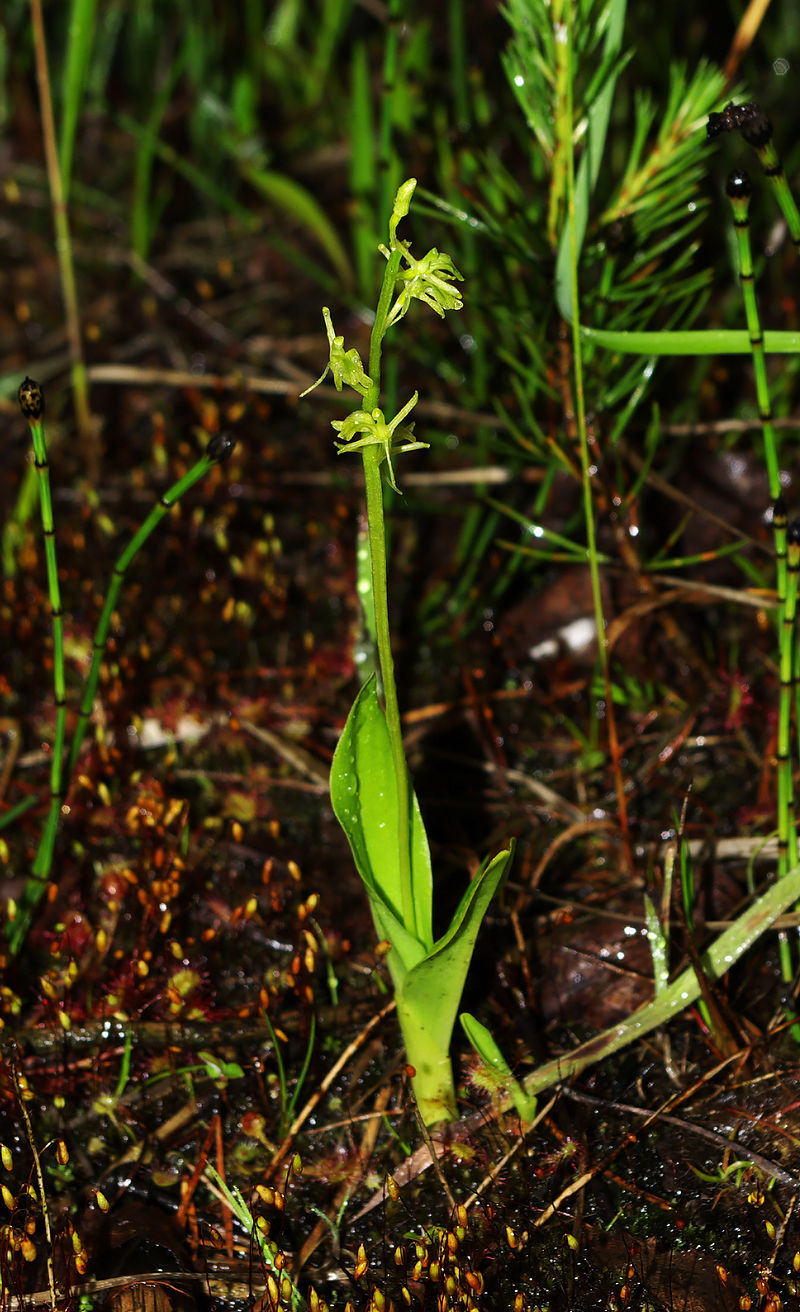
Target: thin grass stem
387,156
82,27
586,473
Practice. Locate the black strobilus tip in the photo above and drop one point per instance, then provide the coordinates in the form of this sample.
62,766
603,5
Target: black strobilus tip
31,400
220,447
739,186
749,119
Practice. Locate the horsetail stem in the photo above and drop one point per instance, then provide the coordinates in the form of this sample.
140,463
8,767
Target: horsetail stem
756,128
787,839
787,835
31,401
739,192
217,451
787,547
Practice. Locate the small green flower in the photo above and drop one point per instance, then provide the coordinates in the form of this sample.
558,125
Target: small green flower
393,436
345,366
425,280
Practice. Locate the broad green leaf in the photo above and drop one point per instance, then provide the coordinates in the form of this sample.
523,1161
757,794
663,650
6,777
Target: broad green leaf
364,798
430,993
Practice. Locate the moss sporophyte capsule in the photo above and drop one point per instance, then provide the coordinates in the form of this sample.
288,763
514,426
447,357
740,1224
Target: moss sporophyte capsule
31,399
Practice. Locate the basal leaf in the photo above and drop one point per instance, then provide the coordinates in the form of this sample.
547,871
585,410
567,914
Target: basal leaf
364,798
431,991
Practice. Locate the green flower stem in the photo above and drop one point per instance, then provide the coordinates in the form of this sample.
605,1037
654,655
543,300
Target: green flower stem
380,594
390,276
434,1087
376,532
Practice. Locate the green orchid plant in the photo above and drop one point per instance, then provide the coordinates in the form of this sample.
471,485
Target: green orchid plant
371,792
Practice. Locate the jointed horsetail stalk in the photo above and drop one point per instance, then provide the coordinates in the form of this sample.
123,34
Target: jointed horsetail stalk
787,836
787,830
739,192
31,403
756,128
219,448
787,547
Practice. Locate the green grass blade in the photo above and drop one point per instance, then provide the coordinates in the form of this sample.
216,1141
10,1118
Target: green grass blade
298,203
591,161
723,953
79,48
363,176
142,220
707,341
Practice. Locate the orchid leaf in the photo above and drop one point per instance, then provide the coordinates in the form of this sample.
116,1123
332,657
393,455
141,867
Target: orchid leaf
364,798
429,993
432,990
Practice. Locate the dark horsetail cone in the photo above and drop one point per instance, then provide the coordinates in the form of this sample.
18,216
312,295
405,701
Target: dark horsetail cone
220,447
31,399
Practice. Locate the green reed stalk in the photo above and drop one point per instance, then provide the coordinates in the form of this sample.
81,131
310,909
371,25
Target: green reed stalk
31,402
66,267
787,831
756,128
82,22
